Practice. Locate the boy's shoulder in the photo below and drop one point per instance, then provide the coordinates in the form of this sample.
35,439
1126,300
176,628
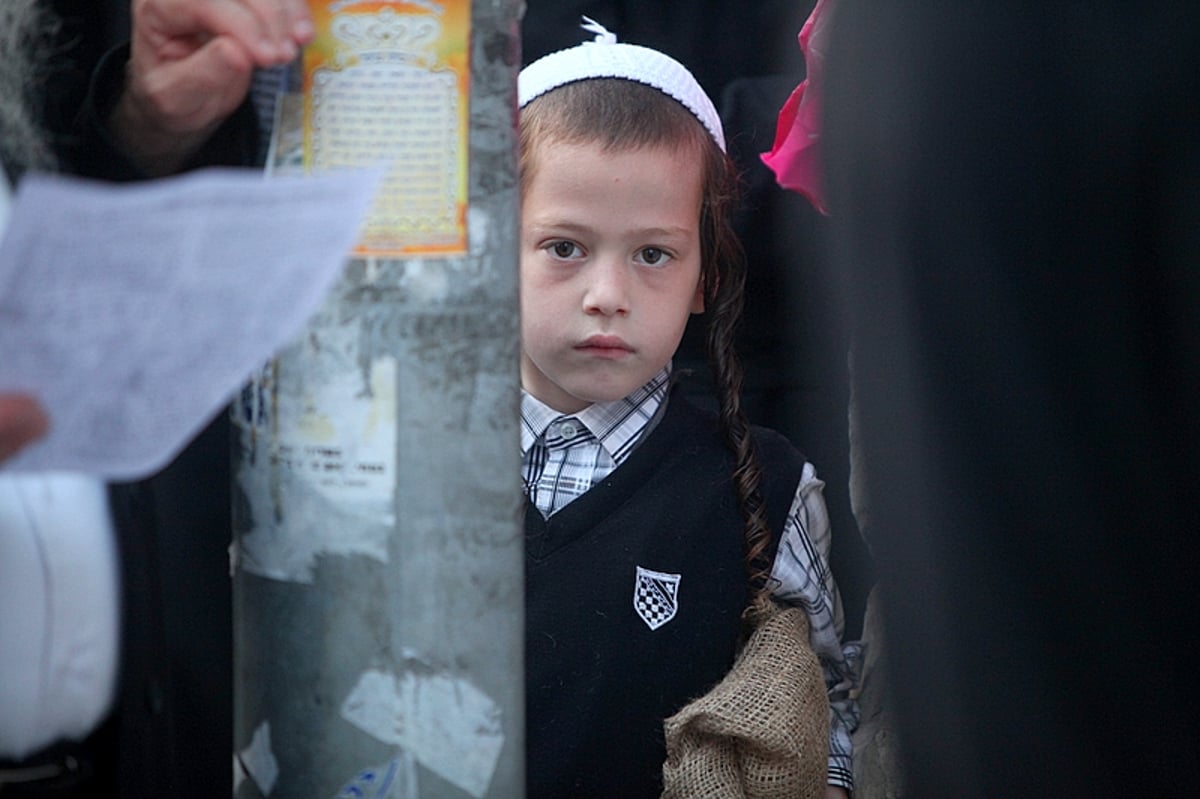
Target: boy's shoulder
771,444
776,446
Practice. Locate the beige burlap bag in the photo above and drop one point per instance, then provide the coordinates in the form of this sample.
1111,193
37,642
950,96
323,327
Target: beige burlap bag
763,731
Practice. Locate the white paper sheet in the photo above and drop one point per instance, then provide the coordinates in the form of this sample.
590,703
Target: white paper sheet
135,312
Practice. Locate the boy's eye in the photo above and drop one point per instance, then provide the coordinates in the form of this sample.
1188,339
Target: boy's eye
564,249
653,256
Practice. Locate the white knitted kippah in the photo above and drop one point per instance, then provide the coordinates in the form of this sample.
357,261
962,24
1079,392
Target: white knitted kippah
606,58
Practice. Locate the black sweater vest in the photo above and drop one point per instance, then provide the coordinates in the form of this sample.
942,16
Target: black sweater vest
599,680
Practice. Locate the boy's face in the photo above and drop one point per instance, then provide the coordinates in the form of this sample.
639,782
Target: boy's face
610,269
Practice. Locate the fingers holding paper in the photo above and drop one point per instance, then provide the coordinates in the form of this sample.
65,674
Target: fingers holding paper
190,67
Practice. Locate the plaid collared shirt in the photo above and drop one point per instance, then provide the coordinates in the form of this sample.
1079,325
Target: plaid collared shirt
565,455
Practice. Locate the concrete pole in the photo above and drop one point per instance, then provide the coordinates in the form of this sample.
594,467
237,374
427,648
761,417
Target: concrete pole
378,551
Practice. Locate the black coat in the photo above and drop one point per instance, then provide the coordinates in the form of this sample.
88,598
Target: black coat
1016,189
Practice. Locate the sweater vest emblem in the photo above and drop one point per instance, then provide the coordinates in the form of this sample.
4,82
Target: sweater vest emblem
655,597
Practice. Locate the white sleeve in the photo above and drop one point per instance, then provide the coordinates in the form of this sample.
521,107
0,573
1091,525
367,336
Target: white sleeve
801,577
59,623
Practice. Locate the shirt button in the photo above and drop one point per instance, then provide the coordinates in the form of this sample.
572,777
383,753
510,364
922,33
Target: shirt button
568,429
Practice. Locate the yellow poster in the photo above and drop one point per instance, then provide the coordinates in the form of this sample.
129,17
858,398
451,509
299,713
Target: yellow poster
389,82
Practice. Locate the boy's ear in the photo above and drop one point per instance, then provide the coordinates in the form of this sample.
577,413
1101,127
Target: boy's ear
698,300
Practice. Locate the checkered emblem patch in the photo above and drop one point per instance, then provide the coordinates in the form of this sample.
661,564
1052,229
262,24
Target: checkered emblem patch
655,597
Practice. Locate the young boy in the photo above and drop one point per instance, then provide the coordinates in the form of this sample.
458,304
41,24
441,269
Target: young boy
655,531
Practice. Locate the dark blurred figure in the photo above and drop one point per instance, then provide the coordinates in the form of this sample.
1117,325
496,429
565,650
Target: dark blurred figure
1016,201
87,28
794,339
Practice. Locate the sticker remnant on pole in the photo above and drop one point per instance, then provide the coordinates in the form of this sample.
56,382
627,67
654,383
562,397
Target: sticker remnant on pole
452,727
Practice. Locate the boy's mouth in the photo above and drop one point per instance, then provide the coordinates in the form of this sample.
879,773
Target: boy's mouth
605,346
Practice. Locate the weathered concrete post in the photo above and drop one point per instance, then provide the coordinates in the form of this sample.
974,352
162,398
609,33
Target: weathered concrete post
378,594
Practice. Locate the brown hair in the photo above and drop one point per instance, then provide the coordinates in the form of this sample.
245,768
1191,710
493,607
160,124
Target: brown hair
622,114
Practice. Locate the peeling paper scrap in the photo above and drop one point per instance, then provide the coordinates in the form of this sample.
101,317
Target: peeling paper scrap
257,762
451,726
332,449
396,779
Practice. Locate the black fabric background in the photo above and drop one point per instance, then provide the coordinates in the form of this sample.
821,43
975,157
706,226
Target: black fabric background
1015,193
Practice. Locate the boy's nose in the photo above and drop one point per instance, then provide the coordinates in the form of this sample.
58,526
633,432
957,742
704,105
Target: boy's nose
608,290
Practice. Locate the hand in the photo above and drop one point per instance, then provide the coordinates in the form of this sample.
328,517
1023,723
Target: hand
190,66
836,792
22,421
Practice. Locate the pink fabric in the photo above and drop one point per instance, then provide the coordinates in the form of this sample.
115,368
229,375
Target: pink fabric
795,157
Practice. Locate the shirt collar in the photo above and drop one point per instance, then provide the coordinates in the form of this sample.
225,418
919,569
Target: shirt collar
616,425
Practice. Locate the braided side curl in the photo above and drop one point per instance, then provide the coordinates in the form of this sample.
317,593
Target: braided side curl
724,289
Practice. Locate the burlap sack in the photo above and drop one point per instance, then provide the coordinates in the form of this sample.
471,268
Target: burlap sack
763,731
